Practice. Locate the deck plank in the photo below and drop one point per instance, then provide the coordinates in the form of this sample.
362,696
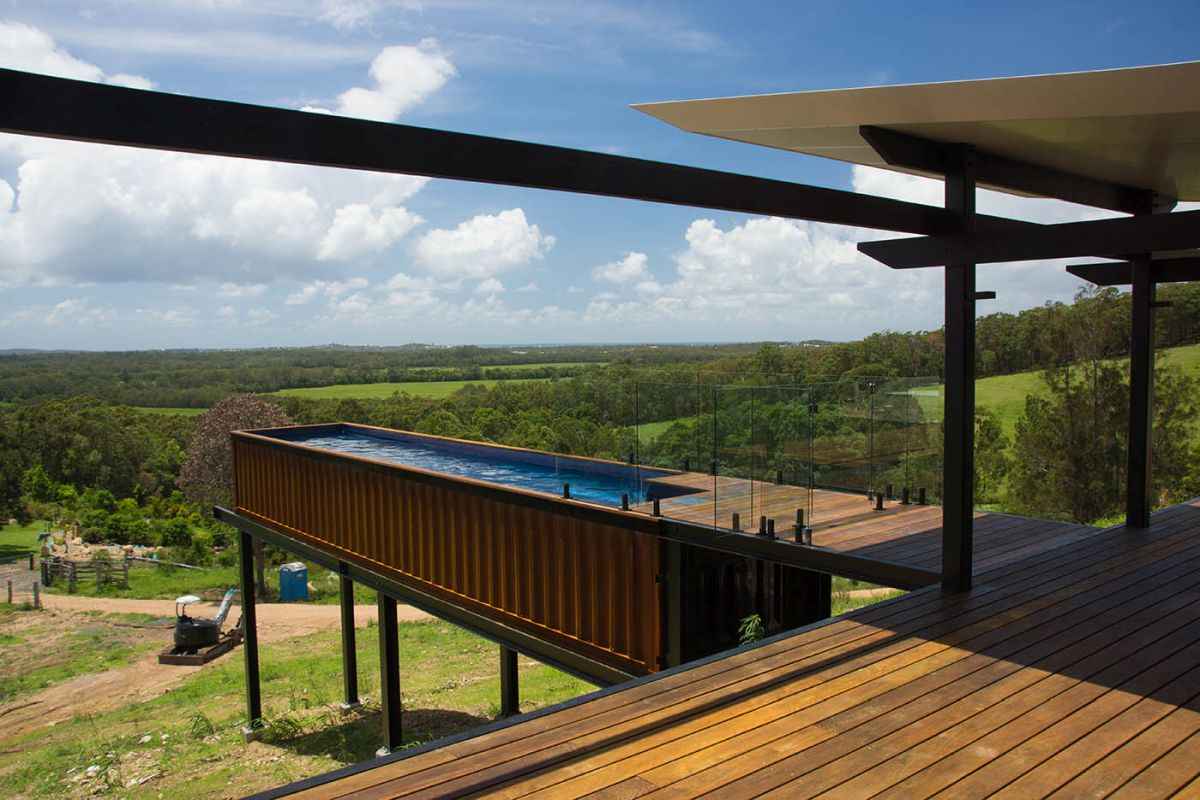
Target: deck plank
1071,668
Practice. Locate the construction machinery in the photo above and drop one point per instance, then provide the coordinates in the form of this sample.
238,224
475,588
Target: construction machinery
199,640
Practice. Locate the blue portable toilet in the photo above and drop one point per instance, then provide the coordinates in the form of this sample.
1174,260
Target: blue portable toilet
293,582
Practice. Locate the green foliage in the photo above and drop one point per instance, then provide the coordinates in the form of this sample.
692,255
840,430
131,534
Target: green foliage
1070,449
750,630
991,459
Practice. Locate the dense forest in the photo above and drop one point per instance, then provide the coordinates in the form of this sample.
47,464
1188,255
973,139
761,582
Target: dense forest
201,378
855,415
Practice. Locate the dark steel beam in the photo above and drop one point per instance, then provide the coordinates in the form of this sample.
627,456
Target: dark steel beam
510,689
1141,234
958,419
912,152
1120,273
673,589
349,651
548,653
389,676
40,105
254,720
818,559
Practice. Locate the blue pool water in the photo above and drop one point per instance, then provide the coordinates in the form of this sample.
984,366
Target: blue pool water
595,482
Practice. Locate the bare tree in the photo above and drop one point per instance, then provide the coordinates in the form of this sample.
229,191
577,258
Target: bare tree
207,474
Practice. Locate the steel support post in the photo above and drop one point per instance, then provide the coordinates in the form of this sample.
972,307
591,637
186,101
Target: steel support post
1138,497
958,464
675,616
349,653
254,719
510,690
389,675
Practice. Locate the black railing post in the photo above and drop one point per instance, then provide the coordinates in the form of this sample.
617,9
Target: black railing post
959,418
254,719
349,653
389,675
510,691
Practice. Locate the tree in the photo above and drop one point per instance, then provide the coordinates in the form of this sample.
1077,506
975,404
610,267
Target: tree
207,474
991,462
1070,449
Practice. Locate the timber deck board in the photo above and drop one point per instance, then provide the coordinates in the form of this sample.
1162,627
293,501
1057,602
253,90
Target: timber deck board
1070,670
847,523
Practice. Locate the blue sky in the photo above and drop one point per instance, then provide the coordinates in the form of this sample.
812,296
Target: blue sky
106,248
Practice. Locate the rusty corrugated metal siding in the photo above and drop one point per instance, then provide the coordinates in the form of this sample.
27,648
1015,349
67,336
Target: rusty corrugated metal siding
589,586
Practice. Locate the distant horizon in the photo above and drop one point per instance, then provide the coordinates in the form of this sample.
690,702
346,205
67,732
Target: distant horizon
434,346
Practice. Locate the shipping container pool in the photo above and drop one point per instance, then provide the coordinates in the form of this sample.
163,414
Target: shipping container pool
591,480
487,528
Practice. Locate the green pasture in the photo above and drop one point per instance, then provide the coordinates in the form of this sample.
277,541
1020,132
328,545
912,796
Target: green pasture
373,391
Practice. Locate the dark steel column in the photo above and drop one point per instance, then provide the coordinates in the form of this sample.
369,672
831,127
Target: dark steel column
1138,497
958,465
349,653
676,635
389,675
510,691
250,637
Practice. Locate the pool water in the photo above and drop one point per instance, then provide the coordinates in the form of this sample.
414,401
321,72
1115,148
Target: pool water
595,482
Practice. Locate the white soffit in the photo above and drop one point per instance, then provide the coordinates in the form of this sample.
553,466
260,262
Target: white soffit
1137,127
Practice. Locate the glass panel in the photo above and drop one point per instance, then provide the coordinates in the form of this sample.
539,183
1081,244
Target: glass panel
733,458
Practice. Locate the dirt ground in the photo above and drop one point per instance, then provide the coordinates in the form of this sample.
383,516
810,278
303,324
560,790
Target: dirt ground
276,621
144,678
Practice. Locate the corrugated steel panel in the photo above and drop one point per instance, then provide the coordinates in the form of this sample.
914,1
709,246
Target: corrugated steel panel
583,584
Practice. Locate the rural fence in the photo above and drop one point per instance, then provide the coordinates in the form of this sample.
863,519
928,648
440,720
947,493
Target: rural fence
100,572
22,591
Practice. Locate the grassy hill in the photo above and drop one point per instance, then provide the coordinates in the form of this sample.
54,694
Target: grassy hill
1004,395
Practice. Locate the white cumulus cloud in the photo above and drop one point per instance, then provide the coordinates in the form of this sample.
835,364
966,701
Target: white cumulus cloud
483,246
404,75
489,286
630,269
359,230
29,49
80,213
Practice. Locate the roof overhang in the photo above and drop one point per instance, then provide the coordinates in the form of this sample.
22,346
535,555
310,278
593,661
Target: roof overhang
1137,128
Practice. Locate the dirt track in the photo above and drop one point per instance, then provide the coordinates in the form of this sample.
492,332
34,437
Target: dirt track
276,621
145,678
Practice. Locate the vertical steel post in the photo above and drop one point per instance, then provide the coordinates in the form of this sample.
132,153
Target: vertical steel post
510,691
678,638
1138,497
958,465
389,675
349,653
254,719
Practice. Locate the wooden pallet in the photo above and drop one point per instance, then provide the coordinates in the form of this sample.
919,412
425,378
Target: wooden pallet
183,657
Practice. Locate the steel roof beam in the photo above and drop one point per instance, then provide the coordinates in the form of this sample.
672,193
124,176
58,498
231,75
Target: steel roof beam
41,105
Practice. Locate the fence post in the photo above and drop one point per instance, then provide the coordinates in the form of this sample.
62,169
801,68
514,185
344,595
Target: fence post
9,592
31,562
37,596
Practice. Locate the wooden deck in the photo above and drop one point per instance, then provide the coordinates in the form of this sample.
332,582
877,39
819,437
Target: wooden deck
846,522
1071,672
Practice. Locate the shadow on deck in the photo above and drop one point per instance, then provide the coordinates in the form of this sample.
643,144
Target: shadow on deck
1071,668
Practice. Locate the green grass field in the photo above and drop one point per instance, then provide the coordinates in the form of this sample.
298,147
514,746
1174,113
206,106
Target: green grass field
527,367
1003,395
151,582
187,741
371,391
20,540
185,412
